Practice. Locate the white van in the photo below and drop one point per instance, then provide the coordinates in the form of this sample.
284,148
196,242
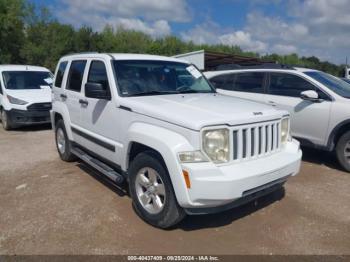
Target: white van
25,95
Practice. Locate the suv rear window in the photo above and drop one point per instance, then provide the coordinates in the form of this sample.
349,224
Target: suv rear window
60,74
76,73
252,82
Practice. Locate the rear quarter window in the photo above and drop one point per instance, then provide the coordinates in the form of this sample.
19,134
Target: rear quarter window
60,73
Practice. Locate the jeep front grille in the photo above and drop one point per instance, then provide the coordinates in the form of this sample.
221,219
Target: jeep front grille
255,140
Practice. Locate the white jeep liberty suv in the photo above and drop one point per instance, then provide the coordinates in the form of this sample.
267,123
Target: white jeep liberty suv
157,124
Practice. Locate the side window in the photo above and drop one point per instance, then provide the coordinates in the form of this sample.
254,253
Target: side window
252,82
288,85
98,74
1,87
222,82
76,73
60,73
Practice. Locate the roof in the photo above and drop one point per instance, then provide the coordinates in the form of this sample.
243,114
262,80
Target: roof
302,69
122,56
22,68
210,74
207,60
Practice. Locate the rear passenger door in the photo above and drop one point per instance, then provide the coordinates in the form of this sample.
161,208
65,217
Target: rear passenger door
309,120
72,95
248,85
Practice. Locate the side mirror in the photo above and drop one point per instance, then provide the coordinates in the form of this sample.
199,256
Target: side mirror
310,95
96,90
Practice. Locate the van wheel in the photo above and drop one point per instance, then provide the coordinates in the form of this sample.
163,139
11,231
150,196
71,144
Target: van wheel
63,144
152,192
343,151
5,120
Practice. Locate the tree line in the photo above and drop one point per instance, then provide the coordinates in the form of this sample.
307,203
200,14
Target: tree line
30,35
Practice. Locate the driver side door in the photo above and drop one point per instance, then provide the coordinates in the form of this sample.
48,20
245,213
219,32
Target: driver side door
309,119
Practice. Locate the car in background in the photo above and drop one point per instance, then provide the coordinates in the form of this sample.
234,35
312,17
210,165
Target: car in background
346,80
319,103
25,95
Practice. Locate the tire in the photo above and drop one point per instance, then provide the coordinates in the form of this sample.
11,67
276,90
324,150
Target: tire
63,144
154,192
6,120
343,151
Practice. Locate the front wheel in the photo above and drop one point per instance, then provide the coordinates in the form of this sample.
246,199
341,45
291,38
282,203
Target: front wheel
343,151
6,120
152,192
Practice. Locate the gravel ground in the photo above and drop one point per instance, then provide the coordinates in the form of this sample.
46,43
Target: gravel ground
51,207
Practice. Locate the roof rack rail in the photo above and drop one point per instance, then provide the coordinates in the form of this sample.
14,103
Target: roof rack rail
82,53
259,66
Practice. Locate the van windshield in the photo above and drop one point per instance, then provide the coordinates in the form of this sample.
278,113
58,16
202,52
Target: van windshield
19,80
142,77
335,84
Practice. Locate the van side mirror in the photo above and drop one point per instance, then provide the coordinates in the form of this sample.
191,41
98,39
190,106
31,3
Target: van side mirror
310,95
96,90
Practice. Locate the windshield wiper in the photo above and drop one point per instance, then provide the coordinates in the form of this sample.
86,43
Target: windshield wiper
150,93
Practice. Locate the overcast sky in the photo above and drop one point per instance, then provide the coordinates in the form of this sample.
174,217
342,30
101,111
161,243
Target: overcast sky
306,27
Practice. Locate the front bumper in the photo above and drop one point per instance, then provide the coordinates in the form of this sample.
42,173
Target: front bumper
213,186
24,117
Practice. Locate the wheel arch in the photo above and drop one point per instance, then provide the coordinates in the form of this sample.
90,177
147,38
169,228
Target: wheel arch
165,143
56,116
336,133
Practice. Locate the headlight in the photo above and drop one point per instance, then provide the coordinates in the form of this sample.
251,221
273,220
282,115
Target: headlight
16,101
285,130
216,145
192,157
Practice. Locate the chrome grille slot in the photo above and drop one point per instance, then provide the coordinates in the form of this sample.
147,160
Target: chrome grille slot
256,140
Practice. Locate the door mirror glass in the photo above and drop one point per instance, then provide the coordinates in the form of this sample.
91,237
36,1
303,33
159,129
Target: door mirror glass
309,95
96,90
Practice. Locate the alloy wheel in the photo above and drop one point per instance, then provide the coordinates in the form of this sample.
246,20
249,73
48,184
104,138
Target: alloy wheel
150,190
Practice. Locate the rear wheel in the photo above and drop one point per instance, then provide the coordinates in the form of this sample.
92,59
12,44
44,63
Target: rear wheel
152,192
343,151
6,120
63,143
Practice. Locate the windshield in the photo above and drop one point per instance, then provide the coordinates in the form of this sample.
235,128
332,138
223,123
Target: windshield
138,78
337,85
19,80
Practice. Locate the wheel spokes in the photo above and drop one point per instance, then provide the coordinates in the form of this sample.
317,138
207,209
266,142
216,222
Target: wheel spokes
144,181
160,189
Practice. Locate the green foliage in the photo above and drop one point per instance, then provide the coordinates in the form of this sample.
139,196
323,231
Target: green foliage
11,30
29,35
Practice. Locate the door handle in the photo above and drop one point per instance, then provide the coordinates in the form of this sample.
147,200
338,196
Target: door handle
63,96
83,102
272,103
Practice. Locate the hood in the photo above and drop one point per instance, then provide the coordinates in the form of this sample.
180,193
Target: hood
32,95
196,111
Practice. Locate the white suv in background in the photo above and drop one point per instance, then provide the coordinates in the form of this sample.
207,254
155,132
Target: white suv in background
156,123
319,103
25,95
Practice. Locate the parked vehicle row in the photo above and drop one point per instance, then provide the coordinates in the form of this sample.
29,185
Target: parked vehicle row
182,144
318,103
